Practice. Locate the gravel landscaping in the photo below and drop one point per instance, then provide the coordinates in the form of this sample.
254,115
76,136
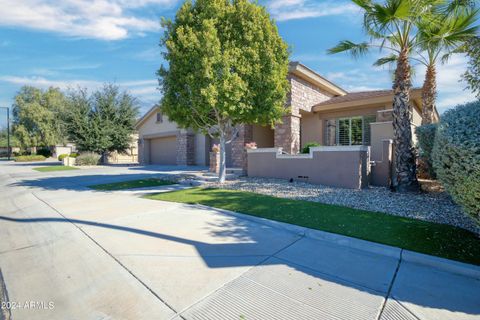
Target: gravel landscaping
432,206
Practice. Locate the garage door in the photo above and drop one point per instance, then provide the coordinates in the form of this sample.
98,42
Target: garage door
163,150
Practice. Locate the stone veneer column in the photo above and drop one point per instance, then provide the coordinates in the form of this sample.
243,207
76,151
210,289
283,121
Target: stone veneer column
239,154
185,148
287,134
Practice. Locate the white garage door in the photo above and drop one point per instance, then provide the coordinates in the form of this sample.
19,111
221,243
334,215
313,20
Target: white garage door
163,150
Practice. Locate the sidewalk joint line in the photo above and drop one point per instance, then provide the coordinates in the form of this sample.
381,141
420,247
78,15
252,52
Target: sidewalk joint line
391,286
107,252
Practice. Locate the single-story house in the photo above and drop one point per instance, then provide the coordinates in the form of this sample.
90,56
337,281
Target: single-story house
319,111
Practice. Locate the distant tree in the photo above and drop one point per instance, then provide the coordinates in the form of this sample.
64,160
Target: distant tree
38,117
103,121
227,65
472,75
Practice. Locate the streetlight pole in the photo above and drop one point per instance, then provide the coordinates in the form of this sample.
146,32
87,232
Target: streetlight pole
9,150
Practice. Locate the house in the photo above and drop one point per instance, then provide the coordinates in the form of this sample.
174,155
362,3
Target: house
319,111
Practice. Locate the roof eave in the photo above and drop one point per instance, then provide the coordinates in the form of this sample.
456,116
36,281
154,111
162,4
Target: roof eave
146,116
308,74
415,96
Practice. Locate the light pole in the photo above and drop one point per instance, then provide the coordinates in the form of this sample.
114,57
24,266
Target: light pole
9,150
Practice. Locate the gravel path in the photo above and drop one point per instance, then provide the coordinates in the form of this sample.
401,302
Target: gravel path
435,206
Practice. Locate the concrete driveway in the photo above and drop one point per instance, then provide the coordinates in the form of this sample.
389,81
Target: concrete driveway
67,252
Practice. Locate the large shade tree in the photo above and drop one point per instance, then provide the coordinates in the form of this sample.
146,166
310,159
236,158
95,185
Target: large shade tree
103,121
227,65
393,25
38,117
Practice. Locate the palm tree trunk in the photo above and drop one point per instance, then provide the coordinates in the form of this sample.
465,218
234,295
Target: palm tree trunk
405,163
429,94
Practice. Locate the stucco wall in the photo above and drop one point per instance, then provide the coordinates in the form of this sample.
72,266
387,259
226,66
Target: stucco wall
311,129
201,150
263,136
380,131
151,126
346,167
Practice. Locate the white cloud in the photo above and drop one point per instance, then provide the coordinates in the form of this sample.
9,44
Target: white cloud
98,19
283,10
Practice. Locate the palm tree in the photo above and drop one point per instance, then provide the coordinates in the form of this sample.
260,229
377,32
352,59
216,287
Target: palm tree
392,26
437,40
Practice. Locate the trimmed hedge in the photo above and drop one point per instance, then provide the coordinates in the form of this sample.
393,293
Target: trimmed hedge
426,140
456,156
62,156
31,158
308,145
88,159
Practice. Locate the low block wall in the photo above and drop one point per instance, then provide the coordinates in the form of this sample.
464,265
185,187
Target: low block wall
345,167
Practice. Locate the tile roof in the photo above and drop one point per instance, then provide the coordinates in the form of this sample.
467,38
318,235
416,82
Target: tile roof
353,96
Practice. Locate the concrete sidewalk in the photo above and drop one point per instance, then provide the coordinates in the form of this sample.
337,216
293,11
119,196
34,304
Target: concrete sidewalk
114,255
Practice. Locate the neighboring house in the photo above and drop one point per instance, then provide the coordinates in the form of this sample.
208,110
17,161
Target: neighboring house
319,111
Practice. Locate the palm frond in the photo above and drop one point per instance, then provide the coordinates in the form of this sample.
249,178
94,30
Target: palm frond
390,59
355,49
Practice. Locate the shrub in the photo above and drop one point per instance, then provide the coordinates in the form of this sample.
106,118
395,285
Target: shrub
62,156
73,155
30,158
44,152
88,159
307,147
456,156
426,140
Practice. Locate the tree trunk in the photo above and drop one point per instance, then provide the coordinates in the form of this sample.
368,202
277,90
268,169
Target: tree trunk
405,163
222,171
429,95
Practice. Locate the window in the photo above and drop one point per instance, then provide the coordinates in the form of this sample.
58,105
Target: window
159,117
353,131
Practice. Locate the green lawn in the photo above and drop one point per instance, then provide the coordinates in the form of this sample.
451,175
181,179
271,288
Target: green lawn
425,237
54,168
153,182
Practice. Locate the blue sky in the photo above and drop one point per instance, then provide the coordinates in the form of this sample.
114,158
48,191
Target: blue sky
69,43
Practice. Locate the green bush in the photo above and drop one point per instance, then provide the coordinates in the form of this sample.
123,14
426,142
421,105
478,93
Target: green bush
456,155
88,159
30,158
426,140
73,155
44,152
62,156
307,147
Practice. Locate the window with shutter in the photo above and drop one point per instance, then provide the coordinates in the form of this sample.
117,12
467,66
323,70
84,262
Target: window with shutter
353,131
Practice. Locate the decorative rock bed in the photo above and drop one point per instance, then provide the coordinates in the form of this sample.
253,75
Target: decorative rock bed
429,206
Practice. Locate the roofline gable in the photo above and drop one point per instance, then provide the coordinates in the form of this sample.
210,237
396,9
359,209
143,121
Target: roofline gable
311,76
146,116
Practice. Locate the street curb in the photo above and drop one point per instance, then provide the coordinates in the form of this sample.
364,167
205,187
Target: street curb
441,264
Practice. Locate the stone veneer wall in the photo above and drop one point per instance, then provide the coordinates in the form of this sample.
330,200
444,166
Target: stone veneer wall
239,154
185,148
287,134
303,97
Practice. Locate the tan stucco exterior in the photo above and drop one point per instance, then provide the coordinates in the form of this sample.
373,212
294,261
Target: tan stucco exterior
313,107
148,125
